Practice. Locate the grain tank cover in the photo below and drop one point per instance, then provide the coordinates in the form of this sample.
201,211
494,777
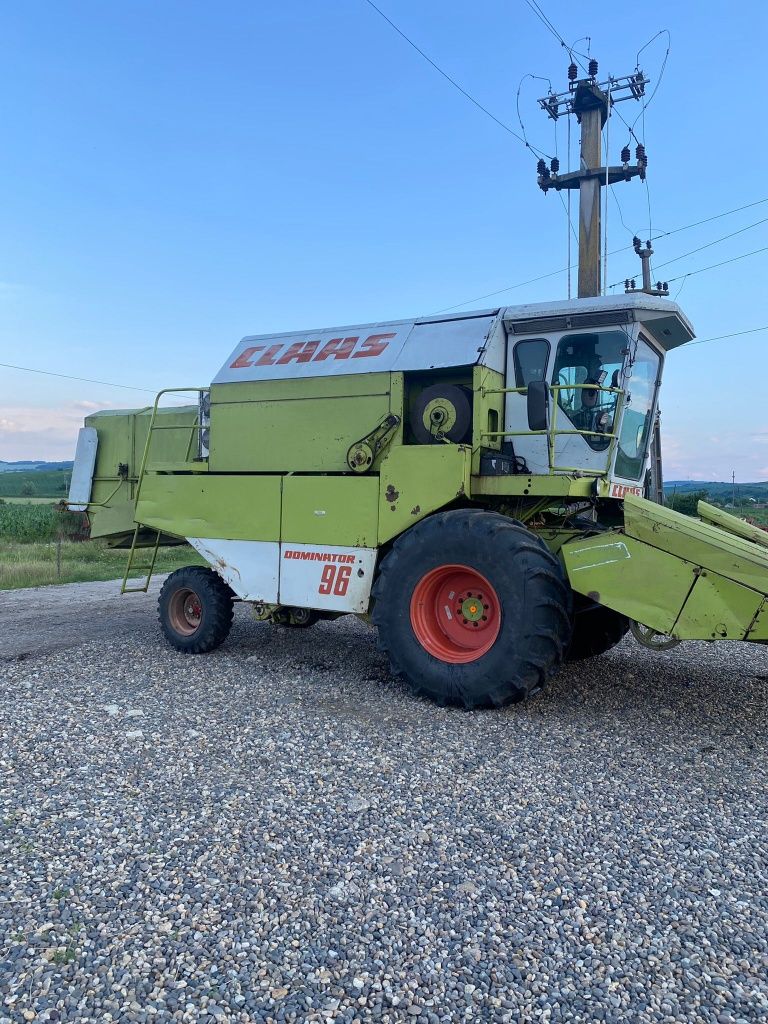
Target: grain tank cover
394,345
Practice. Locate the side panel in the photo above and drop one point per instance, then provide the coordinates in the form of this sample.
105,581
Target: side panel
326,578
294,426
223,507
331,510
417,480
250,567
445,343
632,578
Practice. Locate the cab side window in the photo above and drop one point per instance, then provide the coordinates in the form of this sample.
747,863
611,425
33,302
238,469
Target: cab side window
531,358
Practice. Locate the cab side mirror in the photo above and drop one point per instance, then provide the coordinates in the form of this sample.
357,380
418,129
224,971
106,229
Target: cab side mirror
538,405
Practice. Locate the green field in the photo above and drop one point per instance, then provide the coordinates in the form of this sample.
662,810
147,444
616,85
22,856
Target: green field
37,548
29,501
40,483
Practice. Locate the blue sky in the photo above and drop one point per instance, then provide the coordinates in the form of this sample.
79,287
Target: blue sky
178,175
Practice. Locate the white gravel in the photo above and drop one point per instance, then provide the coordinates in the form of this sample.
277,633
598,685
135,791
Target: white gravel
279,832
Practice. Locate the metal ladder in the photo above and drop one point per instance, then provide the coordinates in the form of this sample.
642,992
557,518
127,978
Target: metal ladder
124,588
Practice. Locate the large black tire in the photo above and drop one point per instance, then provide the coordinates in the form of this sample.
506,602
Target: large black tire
195,610
596,629
500,580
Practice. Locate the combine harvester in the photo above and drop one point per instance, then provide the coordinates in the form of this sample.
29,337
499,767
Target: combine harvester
475,484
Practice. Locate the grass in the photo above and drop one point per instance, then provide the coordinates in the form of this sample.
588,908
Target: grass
36,564
29,501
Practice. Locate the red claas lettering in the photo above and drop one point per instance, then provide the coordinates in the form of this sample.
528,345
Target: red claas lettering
339,348
373,345
300,351
244,359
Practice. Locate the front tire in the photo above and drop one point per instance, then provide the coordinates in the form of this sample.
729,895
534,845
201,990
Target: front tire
472,609
596,629
195,610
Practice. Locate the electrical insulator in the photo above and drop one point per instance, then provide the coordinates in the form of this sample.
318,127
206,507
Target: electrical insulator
593,68
666,286
658,286
626,284
541,167
636,243
642,159
573,72
625,155
634,284
555,165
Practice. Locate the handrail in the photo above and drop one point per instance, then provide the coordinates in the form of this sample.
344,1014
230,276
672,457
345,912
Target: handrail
153,427
551,433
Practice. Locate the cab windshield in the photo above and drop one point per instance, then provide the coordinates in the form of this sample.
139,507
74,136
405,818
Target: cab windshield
594,360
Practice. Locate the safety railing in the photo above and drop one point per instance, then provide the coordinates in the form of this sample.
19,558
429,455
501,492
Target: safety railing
552,432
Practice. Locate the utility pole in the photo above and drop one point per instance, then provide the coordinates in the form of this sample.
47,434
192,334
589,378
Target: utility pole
590,102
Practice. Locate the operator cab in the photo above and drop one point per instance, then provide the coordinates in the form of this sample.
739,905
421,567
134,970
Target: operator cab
596,367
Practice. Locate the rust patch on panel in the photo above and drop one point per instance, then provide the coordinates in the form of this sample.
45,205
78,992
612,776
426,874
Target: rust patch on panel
593,595
416,510
391,494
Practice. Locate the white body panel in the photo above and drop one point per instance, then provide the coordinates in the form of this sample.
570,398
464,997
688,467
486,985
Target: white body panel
316,576
250,567
365,348
82,471
327,578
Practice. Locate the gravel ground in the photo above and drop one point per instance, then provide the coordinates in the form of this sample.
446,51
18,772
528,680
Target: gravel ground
279,832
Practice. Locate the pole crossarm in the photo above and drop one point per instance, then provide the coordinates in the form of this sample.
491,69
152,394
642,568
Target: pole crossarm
626,87
605,175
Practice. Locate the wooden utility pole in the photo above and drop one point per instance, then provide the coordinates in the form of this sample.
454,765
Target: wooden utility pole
590,101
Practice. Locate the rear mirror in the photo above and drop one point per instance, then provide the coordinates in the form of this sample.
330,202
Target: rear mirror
538,405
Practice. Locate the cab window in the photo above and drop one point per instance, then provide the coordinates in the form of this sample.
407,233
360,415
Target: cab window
594,360
531,358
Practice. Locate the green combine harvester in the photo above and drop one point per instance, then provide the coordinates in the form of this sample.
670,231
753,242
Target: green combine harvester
477,485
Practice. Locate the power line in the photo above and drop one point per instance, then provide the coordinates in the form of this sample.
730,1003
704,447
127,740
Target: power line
537,11
720,337
452,80
707,245
84,380
706,220
564,270
714,266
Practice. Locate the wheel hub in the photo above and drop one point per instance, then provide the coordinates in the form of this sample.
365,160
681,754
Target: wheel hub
185,611
455,614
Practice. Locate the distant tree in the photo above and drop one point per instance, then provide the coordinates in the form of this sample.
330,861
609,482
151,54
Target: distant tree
27,489
687,503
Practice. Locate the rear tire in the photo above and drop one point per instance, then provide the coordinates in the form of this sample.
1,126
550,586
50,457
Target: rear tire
195,610
596,629
472,609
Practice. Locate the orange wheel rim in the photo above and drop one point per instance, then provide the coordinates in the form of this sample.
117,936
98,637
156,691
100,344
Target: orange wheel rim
455,614
185,611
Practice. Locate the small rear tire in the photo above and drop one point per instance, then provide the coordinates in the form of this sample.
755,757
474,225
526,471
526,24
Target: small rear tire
472,609
195,610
